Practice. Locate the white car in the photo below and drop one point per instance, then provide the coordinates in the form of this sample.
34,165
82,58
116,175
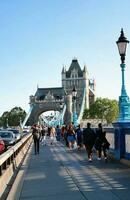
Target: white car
16,133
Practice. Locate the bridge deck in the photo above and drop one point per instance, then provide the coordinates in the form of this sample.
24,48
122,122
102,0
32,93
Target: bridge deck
57,173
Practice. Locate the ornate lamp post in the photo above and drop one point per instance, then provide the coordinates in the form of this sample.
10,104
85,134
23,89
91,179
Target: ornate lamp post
74,93
61,121
124,103
122,125
7,122
20,122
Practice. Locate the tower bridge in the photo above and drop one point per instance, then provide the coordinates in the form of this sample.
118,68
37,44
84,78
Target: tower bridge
46,99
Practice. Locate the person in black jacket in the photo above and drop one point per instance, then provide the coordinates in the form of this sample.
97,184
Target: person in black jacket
89,140
36,138
101,143
79,134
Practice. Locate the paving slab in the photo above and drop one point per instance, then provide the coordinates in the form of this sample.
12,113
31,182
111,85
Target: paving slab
58,173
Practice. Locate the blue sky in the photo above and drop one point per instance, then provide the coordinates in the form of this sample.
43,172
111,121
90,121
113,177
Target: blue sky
38,36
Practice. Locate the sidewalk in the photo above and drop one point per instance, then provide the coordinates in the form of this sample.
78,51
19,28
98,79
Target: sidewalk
57,173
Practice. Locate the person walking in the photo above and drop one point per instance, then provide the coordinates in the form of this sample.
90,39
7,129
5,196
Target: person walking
66,136
101,143
89,140
62,132
43,136
79,134
71,136
58,133
52,135
36,138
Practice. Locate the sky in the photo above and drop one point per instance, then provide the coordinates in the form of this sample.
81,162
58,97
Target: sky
38,37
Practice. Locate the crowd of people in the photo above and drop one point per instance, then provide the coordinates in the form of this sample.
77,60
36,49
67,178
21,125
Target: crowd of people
93,140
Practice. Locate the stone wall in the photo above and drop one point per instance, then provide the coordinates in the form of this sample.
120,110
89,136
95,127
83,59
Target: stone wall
94,122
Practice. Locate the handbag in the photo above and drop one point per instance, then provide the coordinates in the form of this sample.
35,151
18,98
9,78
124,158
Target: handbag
105,144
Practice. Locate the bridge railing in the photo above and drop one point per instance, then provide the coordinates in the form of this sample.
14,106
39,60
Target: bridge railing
115,145
10,161
110,137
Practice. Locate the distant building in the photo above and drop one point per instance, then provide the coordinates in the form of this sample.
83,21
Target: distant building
74,76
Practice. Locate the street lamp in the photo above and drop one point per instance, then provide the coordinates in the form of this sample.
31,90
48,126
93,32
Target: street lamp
20,122
124,103
7,123
61,120
74,93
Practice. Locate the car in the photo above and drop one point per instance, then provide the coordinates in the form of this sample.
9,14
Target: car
8,137
2,145
26,130
16,132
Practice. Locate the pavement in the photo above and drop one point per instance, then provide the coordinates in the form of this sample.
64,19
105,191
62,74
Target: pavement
61,174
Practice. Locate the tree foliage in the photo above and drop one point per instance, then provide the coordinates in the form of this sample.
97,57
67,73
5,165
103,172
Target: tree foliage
12,118
103,108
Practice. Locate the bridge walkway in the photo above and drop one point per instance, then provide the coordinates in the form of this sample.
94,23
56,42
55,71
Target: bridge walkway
58,173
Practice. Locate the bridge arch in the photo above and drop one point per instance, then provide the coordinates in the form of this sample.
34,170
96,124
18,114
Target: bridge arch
50,98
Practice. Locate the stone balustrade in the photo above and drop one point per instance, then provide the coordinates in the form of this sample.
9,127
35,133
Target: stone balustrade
10,162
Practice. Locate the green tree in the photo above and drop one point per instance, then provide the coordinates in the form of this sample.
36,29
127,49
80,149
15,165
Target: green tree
103,108
16,115
113,111
13,117
4,119
86,114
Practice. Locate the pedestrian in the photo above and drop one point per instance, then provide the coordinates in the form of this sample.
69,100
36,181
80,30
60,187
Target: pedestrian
79,134
48,131
58,133
52,135
36,138
43,136
66,135
101,143
62,132
71,136
89,140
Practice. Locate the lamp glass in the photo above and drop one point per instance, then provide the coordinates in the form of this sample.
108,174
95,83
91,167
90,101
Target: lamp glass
122,47
61,105
74,92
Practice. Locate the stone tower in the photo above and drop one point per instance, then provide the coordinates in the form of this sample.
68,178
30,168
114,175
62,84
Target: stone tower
78,78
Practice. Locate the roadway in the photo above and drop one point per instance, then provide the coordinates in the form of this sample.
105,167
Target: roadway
58,173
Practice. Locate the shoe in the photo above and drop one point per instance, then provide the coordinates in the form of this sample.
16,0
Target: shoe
98,158
105,159
90,159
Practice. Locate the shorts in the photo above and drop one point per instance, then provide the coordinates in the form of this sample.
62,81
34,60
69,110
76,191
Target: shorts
70,138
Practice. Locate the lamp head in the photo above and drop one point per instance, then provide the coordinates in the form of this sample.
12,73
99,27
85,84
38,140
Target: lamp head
61,106
74,92
122,44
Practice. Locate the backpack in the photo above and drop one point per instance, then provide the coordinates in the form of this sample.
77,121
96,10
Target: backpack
36,134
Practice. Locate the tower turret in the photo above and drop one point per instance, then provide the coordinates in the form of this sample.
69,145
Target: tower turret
63,74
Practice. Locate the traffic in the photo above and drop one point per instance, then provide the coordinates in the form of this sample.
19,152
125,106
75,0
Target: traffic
10,136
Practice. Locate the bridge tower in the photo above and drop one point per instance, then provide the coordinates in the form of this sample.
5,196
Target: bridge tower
46,99
74,76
